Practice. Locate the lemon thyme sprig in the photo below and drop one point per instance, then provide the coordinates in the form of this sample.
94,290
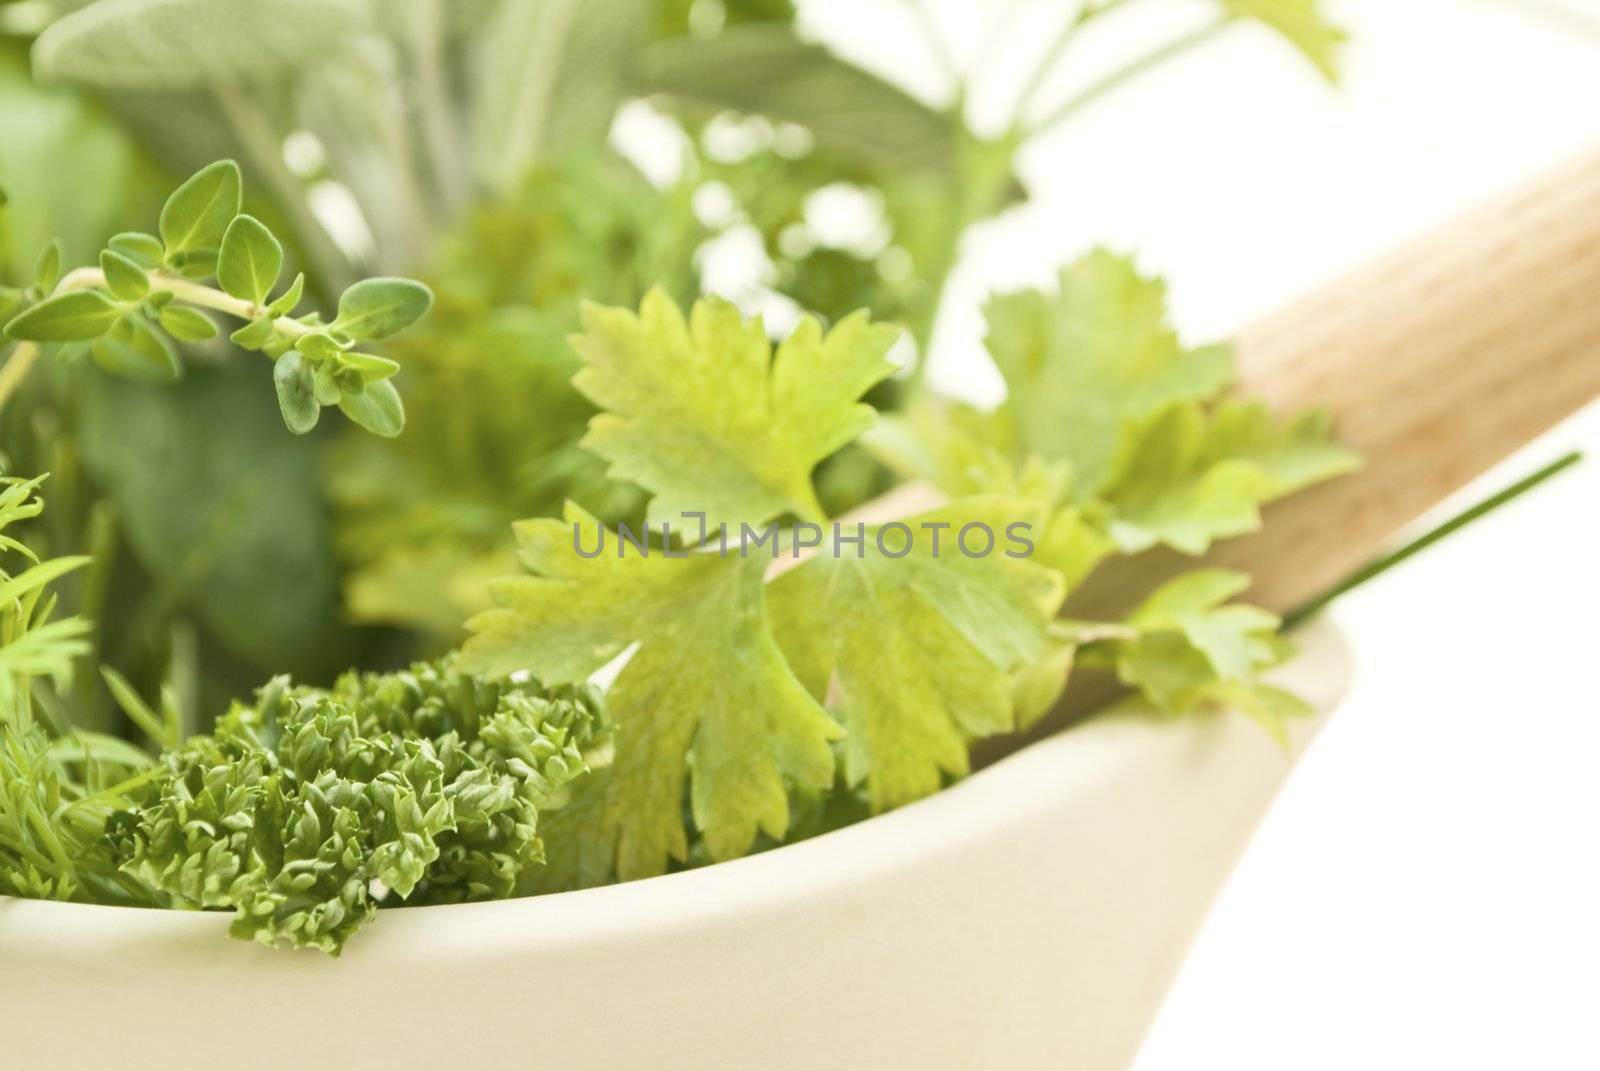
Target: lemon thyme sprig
149,290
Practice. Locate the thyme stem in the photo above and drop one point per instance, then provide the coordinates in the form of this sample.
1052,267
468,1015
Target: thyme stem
23,357
190,293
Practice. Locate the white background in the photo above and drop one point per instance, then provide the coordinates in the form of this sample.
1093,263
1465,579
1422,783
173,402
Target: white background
1426,892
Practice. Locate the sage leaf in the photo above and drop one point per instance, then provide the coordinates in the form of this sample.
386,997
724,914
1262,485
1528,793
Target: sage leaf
548,77
73,172
181,44
253,529
764,68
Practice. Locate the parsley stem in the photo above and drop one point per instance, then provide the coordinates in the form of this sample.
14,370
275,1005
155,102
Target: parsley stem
1052,55
929,28
994,36
1115,80
1423,542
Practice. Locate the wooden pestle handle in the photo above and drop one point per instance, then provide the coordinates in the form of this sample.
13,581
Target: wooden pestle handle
1436,362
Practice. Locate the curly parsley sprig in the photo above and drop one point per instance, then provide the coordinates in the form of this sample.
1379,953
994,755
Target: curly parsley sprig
307,810
149,290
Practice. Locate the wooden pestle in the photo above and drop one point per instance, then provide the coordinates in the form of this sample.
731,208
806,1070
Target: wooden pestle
1435,362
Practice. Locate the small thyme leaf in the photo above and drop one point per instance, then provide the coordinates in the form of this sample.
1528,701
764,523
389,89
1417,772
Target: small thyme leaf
377,308
186,324
197,215
255,334
318,345
250,261
143,249
47,271
369,366
297,393
136,350
125,279
284,303
375,406
75,316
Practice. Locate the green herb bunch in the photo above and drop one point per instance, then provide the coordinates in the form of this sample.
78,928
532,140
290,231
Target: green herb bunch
577,373
307,810
57,785
868,672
